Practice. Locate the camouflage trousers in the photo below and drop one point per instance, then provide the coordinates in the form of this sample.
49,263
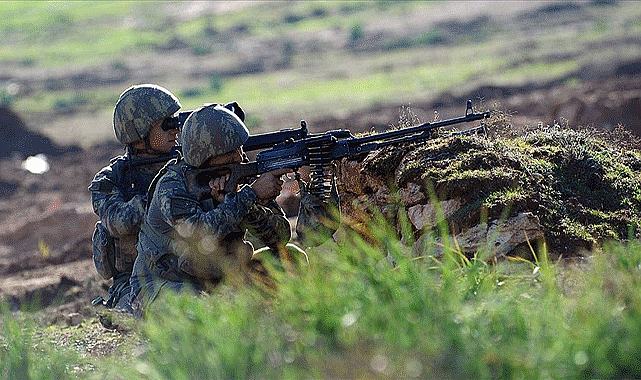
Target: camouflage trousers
255,273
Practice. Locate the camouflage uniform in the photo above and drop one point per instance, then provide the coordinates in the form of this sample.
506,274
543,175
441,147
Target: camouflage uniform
119,191
187,243
119,198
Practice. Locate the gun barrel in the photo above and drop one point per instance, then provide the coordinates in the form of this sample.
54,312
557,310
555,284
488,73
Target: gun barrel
423,128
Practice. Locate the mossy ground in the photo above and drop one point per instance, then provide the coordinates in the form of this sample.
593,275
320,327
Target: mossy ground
582,184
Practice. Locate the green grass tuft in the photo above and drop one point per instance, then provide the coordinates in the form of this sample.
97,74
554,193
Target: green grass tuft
373,310
352,314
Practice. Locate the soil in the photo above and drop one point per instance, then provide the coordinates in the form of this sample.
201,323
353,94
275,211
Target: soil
46,223
46,220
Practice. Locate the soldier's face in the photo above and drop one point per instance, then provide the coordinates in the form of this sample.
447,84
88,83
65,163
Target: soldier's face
160,140
233,157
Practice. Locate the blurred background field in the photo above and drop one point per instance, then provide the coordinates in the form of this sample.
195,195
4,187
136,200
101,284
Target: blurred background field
65,63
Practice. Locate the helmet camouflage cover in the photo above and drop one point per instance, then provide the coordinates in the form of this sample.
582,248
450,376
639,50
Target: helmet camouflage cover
138,108
209,131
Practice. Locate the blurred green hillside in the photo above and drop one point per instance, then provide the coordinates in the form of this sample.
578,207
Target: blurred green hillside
65,63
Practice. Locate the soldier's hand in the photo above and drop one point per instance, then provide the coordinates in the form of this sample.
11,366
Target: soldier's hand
217,186
269,185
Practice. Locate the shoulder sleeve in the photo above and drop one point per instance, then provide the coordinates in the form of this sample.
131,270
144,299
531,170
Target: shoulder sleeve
119,216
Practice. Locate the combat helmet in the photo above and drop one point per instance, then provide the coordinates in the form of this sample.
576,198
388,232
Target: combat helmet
138,108
209,131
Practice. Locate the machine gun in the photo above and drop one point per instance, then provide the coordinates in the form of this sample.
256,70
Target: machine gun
294,148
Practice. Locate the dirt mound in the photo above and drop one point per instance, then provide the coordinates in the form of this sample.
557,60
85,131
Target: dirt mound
15,136
46,222
575,189
60,236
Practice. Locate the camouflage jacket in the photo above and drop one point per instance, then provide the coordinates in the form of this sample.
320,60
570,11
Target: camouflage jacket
119,198
184,241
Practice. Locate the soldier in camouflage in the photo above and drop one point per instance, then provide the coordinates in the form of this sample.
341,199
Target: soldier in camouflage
190,243
119,191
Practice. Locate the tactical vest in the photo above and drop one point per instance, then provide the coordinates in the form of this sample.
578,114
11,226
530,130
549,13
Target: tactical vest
114,255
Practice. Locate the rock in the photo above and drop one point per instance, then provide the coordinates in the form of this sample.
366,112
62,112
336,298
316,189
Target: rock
74,319
515,231
425,215
352,179
499,238
411,195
